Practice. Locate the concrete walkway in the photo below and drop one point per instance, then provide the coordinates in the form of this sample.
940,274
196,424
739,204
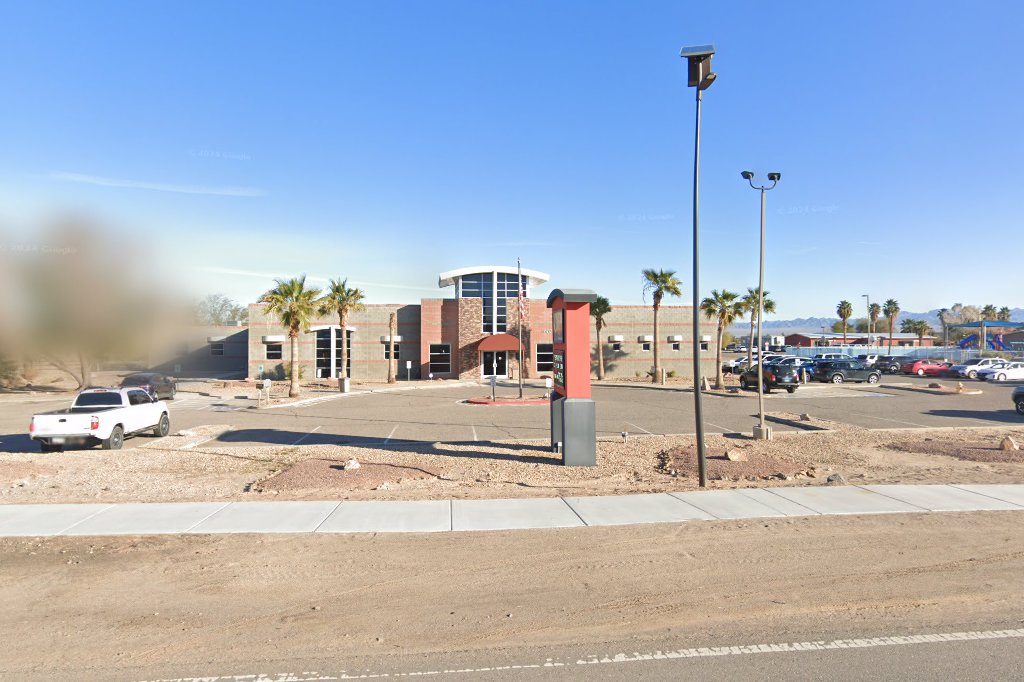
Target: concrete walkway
38,520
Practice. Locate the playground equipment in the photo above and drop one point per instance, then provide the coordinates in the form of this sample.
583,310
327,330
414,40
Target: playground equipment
995,343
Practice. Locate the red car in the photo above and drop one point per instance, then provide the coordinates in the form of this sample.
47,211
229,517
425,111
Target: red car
925,367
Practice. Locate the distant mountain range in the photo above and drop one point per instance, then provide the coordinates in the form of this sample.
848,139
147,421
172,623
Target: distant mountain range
814,324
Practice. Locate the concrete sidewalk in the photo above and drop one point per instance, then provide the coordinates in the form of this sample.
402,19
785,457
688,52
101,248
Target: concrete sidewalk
38,520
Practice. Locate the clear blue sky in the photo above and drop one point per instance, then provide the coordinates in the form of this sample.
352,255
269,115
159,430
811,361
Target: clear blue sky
389,141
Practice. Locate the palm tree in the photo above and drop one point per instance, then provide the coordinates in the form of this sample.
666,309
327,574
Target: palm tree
340,299
1003,315
295,306
598,309
988,312
845,311
919,327
874,312
725,308
891,310
749,304
660,283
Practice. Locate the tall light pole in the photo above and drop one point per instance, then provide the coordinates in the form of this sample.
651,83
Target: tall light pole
868,303
761,432
700,77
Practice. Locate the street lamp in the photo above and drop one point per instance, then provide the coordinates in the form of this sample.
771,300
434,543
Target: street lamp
761,432
699,76
868,303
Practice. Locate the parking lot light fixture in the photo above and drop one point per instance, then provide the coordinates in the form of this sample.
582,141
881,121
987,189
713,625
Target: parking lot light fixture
761,431
700,77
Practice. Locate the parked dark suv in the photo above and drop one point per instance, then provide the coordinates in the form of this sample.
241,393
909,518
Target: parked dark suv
775,376
889,364
157,385
839,371
1018,399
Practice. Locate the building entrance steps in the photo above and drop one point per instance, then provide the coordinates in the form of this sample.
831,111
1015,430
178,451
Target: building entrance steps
47,520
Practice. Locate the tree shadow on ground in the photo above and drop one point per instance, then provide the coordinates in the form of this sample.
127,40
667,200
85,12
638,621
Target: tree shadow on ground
512,451
996,416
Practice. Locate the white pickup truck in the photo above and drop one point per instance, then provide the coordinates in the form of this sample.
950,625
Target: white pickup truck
104,415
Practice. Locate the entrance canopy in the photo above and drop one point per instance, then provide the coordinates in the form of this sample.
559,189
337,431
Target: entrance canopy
499,342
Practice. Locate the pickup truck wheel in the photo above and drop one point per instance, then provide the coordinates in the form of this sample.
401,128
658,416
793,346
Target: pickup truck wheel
116,439
163,428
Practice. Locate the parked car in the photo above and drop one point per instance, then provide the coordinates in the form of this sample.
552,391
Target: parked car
868,359
889,364
925,367
101,415
1018,399
806,364
734,365
1013,371
157,385
971,368
775,376
731,348
840,371
833,356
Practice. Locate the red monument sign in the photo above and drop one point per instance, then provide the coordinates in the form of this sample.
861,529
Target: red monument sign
573,414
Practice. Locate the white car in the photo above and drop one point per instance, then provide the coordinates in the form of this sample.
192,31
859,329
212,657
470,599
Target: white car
1008,370
101,415
971,368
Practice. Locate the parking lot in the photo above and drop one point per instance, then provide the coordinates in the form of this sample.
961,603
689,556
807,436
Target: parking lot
427,414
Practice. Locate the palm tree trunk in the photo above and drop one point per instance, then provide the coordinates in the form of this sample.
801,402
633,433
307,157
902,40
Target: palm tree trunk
750,346
890,335
844,332
392,332
657,355
718,356
293,387
600,354
343,372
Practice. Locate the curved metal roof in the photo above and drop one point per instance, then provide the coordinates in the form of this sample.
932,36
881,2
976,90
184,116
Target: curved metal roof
447,279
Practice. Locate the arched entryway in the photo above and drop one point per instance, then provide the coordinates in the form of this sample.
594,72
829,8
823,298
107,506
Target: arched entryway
495,353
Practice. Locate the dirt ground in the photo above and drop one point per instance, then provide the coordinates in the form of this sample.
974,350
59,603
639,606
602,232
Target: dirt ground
139,608
190,467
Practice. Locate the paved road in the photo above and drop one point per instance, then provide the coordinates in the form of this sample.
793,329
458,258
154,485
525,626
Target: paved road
431,415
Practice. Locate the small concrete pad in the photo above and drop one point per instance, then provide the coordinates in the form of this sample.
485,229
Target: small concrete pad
615,510
21,520
429,516
267,517
728,504
941,497
1006,492
844,500
506,514
779,504
146,518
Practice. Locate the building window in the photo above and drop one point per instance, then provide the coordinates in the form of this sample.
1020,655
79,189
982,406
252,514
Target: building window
480,286
676,344
617,346
440,358
274,351
216,349
646,346
545,357
387,351
703,345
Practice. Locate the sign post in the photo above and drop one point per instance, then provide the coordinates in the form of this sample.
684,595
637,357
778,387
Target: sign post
573,413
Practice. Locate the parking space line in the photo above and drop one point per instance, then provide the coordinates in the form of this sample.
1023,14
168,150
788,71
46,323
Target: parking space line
886,419
306,435
641,428
388,439
474,432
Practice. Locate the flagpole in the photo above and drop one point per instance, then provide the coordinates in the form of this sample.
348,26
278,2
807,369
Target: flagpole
520,295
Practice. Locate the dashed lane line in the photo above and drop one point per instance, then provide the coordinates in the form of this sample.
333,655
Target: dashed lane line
388,439
634,657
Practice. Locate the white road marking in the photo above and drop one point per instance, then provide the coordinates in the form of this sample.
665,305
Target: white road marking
306,435
474,432
640,427
388,439
886,419
205,440
657,655
719,426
